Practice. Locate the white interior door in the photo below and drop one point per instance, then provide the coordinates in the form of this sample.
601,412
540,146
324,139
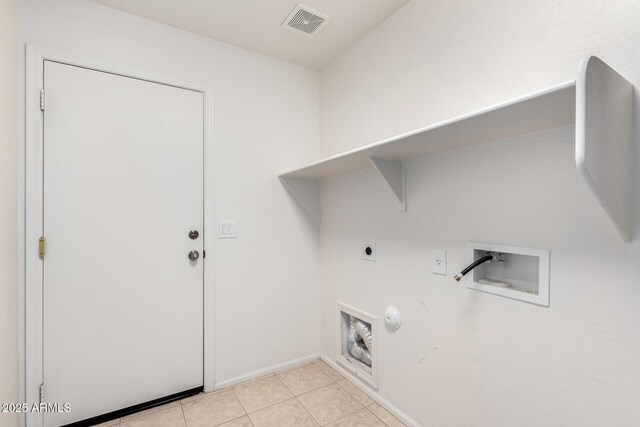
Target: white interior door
123,186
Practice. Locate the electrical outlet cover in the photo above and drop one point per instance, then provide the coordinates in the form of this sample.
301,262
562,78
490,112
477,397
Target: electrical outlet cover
440,262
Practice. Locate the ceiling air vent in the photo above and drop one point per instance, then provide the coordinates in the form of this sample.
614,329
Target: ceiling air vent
305,20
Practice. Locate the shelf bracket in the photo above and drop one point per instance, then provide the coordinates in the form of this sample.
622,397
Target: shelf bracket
393,173
306,191
604,139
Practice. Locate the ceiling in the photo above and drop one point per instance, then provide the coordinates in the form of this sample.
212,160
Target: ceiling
256,24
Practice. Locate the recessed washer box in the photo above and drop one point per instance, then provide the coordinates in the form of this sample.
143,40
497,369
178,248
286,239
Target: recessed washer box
520,273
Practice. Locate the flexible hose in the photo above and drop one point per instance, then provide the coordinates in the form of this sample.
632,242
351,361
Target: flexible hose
359,340
365,334
473,265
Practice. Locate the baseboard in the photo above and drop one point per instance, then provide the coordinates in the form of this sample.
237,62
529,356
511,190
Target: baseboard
266,371
372,394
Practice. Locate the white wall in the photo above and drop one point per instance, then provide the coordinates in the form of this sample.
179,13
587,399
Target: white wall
266,117
8,216
463,358
436,59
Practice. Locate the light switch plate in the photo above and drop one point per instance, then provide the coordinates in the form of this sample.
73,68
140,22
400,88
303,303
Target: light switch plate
228,230
440,262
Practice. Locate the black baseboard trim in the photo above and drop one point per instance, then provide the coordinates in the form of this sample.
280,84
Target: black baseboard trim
135,408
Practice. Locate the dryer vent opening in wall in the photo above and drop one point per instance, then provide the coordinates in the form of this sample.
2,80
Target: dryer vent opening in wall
305,20
357,343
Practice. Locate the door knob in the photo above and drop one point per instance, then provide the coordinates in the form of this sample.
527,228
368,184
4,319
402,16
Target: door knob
194,255
193,234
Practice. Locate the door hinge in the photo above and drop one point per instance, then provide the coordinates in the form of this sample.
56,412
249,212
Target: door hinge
41,246
41,393
42,99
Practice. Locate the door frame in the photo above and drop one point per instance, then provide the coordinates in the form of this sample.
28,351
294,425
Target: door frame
31,215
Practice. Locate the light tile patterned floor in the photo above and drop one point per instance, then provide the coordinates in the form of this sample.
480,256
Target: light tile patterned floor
310,395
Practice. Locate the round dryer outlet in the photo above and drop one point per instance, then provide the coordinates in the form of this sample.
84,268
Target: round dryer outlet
368,251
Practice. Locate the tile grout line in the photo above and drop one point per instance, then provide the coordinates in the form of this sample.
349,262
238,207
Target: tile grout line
376,415
367,408
366,405
266,407
286,386
204,395
356,399
295,397
349,414
234,419
184,417
327,385
238,397
273,404
308,391
373,401
246,413
338,383
298,400
305,408
370,411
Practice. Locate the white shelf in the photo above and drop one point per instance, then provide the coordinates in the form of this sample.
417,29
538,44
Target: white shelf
604,139
599,102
